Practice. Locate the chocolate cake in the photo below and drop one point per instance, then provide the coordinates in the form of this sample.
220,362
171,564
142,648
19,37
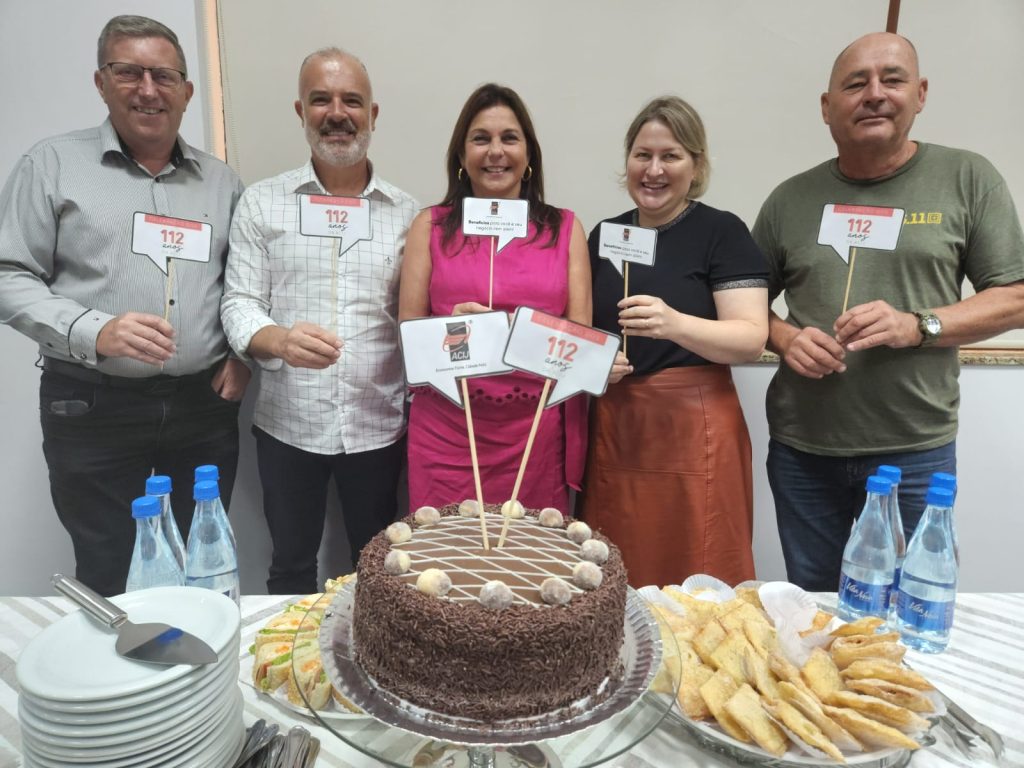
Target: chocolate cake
451,653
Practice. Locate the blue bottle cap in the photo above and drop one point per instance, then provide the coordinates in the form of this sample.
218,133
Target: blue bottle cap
944,480
205,490
891,473
207,472
145,506
939,497
158,484
878,484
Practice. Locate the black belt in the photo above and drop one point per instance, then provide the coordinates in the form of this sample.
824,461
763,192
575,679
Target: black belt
159,384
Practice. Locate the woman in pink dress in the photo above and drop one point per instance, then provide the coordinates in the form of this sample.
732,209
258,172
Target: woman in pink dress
494,154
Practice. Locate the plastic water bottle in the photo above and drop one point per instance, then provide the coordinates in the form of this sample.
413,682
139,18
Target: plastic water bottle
899,538
153,563
160,486
869,559
946,480
207,472
924,607
211,560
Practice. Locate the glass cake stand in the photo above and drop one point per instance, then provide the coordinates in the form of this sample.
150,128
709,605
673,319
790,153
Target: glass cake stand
399,733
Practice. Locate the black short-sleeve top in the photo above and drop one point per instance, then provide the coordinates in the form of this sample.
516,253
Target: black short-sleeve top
702,251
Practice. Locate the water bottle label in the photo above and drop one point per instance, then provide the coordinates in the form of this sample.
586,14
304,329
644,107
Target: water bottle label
896,580
925,615
864,598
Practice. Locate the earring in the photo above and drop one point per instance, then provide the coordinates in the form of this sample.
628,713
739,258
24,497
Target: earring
529,173
459,174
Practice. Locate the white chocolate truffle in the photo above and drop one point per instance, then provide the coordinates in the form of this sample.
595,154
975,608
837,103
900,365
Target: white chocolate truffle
495,595
513,510
398,533
555,591
550,517
469,508
595,551
396,562
586,575
578,532
434,581
427,516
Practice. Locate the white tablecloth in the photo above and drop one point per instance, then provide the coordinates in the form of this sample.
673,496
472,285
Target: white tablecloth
982,670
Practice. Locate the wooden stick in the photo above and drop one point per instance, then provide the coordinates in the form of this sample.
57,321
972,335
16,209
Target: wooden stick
333,326
625,295
526,456
169,291
476,464
849,278
892,21
490,278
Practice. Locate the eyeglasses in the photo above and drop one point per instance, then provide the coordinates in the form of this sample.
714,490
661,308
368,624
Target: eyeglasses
130,74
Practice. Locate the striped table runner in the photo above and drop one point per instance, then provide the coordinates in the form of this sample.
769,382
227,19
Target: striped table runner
982,670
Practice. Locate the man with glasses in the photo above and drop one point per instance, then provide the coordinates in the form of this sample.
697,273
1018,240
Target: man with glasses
112,248
311,292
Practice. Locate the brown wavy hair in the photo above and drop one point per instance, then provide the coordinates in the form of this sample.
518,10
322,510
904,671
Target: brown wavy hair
545,217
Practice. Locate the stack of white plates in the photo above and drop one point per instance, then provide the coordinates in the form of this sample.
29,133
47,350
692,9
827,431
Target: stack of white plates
83,704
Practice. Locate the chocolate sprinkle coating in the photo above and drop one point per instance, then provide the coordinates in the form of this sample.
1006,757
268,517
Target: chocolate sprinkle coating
463,659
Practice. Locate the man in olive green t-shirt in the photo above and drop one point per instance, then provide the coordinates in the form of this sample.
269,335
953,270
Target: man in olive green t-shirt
889,229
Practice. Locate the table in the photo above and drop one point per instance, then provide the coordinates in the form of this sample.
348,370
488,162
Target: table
982,670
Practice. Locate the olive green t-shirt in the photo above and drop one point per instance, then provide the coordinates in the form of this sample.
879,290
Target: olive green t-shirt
959,220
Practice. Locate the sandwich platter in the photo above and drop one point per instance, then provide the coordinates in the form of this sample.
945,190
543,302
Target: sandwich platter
81,703
283,662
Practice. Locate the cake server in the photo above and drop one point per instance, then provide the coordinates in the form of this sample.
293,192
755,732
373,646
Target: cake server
153,642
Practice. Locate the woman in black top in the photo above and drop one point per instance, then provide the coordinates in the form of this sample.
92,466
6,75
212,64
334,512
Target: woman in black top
668,471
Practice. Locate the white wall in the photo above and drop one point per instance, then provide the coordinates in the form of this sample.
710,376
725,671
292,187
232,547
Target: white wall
47,52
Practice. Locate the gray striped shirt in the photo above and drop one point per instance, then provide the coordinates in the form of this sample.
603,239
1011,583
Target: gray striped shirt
66,260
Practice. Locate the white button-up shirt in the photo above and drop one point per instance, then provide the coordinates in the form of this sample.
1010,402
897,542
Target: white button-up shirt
277,276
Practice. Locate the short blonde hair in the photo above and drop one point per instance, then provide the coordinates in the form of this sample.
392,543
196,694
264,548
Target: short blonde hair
687,128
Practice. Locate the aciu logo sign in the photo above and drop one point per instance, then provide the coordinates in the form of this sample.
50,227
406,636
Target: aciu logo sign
456,341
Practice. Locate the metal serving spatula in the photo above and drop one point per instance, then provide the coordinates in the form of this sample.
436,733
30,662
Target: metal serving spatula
153,642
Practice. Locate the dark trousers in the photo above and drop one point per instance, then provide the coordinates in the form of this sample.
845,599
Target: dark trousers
295,499
817,498
101,442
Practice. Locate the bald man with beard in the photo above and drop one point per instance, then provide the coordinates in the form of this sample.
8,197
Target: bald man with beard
877,383
311,294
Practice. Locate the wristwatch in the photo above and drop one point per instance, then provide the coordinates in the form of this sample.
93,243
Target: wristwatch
930,326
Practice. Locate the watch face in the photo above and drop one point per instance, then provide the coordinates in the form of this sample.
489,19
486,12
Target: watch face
932,325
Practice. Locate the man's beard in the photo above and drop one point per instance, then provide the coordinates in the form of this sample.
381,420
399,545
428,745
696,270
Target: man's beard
339,155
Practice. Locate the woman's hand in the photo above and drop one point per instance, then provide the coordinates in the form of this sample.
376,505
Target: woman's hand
620,368
469,308
647,316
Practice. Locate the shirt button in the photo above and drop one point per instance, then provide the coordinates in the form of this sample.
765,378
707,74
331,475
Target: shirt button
82,356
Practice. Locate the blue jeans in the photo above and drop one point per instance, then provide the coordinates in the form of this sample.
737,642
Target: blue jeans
817,498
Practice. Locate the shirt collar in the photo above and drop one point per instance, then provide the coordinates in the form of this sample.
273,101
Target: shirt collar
377,188
182,157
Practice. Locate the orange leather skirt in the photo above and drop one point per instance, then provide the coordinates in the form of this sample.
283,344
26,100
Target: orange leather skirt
668,476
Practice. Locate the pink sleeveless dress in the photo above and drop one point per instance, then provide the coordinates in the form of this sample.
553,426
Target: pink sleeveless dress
440,469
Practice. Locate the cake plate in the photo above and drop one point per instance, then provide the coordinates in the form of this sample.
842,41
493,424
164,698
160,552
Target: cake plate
404,734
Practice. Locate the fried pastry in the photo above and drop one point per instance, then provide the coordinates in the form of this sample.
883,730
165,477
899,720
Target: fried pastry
757,673
821,674
866,625
884,669
716,691
745,707
809,705
894,693
844,654
795,721
877,709
869,731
